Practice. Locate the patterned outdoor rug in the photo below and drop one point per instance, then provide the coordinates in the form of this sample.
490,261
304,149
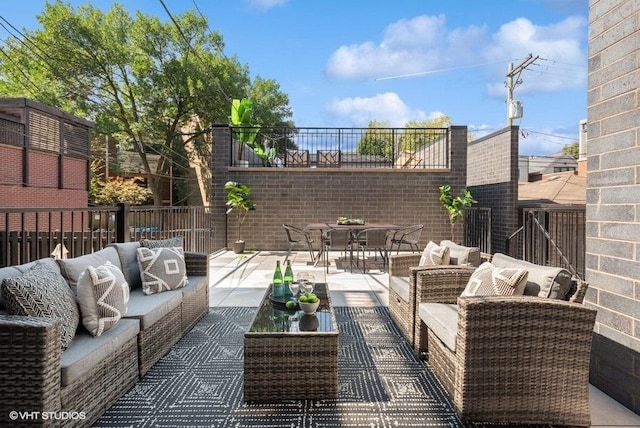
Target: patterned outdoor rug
199,383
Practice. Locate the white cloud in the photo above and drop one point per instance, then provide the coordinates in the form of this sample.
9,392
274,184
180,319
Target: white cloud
425,43
264,5
382,107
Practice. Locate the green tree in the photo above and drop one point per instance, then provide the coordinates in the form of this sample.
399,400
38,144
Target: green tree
377,140
147,83
415,137
455,205
572,149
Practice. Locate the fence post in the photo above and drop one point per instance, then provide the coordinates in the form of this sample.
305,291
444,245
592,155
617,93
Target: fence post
122,217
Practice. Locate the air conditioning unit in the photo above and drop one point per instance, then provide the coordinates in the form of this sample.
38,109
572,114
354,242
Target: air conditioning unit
515,109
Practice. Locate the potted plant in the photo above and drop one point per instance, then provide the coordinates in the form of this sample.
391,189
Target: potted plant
238,200
247,133
455,205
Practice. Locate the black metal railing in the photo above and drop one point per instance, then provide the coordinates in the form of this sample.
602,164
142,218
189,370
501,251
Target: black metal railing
477,228
551,237
409,148
27,234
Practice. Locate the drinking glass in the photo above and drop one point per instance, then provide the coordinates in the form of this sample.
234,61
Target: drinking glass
294,287
307,285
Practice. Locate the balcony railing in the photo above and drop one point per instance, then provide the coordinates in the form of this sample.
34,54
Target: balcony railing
27,234
407,148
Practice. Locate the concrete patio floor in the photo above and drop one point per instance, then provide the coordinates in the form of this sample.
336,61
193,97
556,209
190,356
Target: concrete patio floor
241,280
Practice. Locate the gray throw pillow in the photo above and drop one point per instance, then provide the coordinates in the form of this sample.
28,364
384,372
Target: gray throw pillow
43,292
176,241
488,280
103,295
161,269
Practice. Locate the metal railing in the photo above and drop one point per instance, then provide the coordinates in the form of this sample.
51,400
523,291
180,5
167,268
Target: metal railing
27,234
477,228
551,237
408,148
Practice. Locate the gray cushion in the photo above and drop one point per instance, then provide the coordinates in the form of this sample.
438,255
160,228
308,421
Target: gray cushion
461,255
71,269
488,280
400,284
175,241
86,351
543,281
442,319
43,292
12,271
103,294
434,255
162,269
151,308
129,262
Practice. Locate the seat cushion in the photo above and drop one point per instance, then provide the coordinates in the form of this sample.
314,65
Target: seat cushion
400,284
43,292
488,280
461,255
162,269
434,255
85,351
543,281
129,262
103,295
442,319
151,308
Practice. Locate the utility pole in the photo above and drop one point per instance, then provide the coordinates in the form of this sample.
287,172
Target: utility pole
512,83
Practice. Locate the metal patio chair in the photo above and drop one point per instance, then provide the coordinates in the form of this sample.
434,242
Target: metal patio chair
409,235
296,235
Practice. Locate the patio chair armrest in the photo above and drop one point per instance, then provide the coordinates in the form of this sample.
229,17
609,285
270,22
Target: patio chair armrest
196,263
399,264
441,284
30,350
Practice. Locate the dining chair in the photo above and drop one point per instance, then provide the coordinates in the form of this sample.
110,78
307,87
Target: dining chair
409,235
328,158
373,239
296,235
297,158
341,239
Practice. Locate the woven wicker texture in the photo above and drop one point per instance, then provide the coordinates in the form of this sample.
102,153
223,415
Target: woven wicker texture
155,341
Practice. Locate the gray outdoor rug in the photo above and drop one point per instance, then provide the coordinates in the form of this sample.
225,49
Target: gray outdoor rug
199,383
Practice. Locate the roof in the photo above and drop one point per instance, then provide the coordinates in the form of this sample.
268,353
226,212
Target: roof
564,188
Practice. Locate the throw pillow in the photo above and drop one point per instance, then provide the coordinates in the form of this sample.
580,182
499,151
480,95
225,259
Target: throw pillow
43,292
488,280
103,295
434,255
161,269
176,241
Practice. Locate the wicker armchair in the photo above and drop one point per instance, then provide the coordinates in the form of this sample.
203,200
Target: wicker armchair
516,359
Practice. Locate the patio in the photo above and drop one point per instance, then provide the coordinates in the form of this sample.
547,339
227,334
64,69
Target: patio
241,281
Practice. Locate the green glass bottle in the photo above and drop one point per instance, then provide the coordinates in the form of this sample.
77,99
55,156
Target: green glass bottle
278,285
288,278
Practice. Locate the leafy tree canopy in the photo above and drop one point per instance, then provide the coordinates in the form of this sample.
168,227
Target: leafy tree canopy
147,83
572,149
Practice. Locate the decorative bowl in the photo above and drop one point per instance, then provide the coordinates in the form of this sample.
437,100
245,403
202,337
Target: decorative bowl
309,308
309,323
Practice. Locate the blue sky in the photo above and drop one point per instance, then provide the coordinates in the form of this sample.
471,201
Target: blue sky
339,60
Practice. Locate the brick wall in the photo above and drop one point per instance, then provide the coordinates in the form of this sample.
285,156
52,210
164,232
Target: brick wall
306,195
492,178
613,197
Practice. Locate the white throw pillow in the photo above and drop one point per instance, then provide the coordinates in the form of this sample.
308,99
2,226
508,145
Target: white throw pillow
161,269
488,280
434,255
103,295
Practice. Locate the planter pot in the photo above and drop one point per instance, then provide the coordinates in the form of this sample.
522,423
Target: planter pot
242,163
238,247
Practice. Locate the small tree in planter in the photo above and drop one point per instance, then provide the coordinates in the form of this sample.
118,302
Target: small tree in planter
238,199
455,205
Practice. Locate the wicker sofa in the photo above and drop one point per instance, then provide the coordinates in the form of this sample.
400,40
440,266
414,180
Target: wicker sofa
403,270
92,373
509,359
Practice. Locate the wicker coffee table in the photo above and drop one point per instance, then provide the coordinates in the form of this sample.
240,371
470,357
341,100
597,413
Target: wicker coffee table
289,355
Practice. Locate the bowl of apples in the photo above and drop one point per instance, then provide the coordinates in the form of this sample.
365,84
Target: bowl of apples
309,303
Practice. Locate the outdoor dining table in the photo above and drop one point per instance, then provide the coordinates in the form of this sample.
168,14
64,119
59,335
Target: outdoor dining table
352,228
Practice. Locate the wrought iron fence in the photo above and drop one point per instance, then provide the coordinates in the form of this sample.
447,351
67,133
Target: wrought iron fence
410,148
477,228
551,237
27,234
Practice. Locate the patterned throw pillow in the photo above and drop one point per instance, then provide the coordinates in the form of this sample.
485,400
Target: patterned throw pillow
176,241
434,255
43,292
488,280
161,269
103,295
